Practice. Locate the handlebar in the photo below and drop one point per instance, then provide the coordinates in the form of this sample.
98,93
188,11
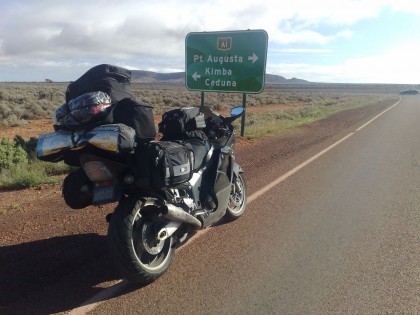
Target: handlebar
218,126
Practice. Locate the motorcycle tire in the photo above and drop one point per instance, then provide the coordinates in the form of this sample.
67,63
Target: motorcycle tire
237,198
137,254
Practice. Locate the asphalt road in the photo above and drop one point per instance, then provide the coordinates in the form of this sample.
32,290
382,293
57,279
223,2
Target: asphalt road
340,235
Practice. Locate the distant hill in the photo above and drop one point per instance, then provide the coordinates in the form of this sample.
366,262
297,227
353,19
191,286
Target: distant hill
278,79
140,76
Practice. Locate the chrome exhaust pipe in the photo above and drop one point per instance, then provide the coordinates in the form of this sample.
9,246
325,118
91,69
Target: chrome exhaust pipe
177,214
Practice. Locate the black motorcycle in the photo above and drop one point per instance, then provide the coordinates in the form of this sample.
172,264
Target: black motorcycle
165,189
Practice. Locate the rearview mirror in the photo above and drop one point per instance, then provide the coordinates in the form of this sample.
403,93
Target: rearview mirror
237,111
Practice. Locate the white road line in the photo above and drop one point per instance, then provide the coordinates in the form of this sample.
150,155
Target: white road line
113,290
103,295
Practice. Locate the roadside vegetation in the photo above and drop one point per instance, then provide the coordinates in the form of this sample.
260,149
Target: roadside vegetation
274,110
276,121
20,168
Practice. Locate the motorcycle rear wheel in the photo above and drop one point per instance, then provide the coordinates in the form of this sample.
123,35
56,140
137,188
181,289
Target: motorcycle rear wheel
237,198
137,254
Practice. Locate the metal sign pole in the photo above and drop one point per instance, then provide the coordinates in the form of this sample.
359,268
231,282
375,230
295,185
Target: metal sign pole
202,99
243,117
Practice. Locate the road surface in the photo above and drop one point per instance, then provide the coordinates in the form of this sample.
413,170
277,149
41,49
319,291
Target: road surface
340,235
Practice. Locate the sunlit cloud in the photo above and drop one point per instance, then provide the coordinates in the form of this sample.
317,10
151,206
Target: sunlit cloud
286,51
150,35
395,66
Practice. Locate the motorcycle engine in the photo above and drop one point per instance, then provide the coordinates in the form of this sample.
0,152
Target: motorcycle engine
182,199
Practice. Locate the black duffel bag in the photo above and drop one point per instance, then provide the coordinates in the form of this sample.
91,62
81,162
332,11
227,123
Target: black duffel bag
170,163
116,82
112,80
183,123
137,115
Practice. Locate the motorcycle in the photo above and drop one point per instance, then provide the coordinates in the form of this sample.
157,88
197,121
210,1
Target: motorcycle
149,223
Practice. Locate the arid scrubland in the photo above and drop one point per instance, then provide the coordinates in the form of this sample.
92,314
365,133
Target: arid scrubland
275,110
22,102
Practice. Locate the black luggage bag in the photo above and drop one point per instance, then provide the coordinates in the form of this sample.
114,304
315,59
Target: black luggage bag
137,115
116,82
183,123
170,163
112,80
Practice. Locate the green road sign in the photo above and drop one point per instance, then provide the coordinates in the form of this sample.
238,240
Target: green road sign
226,61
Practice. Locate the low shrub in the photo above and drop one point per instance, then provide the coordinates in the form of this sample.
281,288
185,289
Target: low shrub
11,154
28,145
20,167
24,176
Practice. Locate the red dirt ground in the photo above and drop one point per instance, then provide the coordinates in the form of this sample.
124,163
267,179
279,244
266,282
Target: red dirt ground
43,241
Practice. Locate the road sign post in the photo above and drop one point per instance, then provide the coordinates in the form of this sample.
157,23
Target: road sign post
231,61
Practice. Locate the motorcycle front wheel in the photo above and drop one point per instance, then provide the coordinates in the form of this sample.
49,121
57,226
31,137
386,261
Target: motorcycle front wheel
237,198
138,254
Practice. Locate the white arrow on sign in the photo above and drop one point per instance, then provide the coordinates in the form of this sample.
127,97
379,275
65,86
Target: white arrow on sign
254,57
196,76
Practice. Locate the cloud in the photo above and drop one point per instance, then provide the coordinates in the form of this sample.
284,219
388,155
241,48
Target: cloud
397,65
286,51
29,27
74,35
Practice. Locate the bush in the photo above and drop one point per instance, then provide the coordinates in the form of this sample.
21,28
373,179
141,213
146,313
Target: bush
11,153
29,146
20,167
23,176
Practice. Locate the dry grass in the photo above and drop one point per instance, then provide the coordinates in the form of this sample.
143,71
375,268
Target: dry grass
25,110
22,102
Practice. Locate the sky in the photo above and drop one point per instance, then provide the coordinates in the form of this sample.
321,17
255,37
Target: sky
335,41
